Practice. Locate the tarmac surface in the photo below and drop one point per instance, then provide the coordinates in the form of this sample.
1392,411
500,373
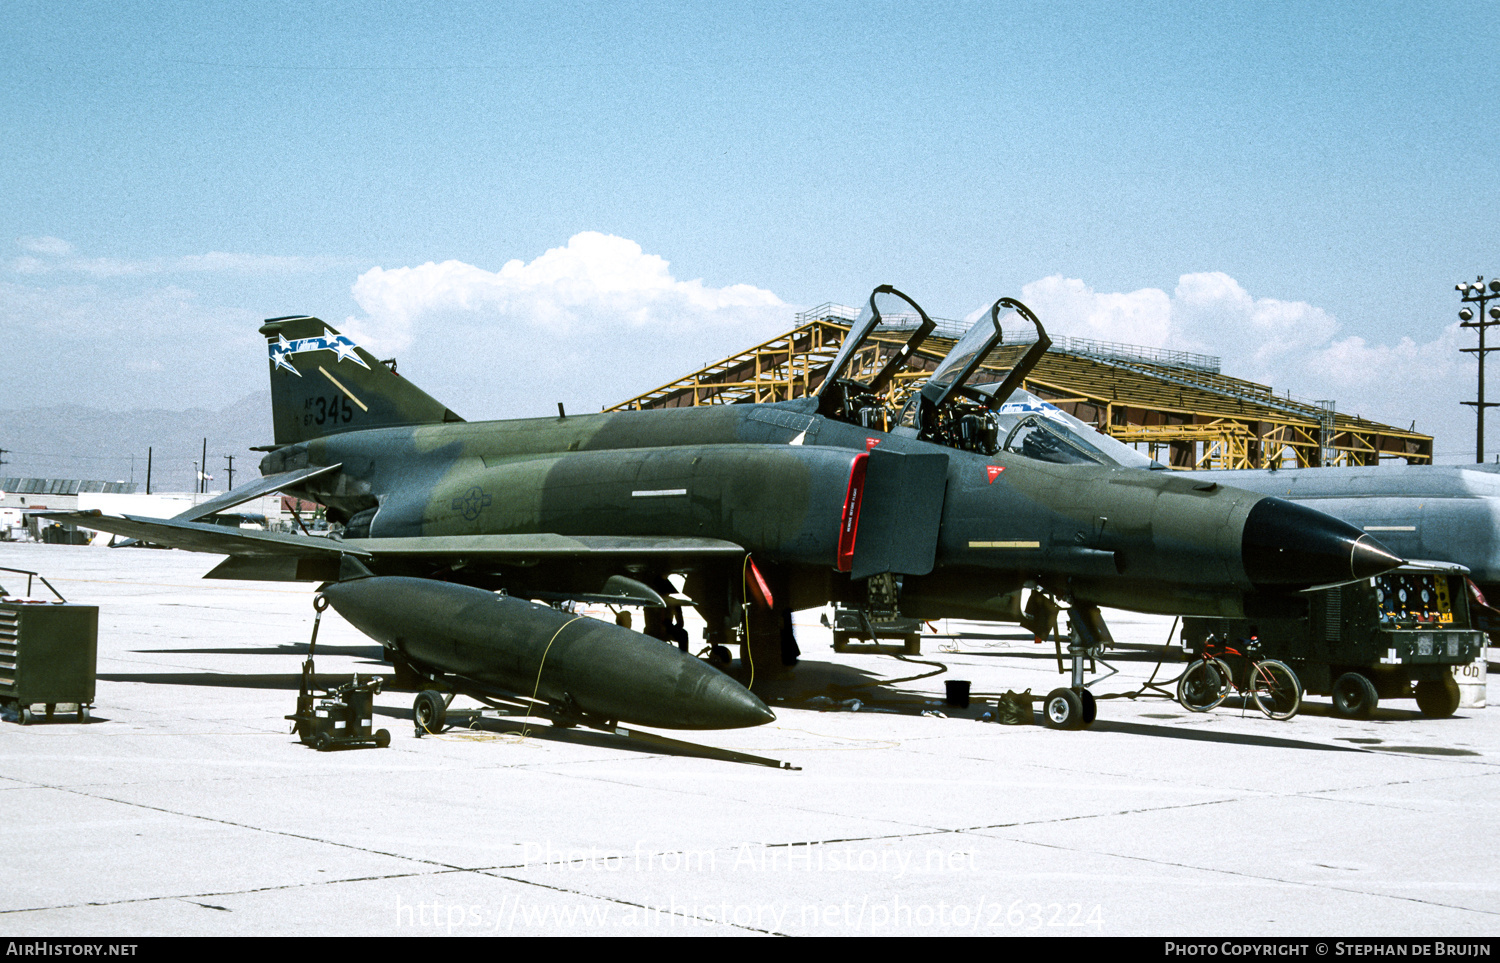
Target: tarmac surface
184,807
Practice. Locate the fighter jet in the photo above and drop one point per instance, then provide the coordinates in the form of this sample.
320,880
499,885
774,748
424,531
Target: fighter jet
762,509
1447,513
1439,513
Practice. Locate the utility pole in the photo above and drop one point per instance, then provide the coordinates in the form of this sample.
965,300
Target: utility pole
231,471
203,475
148,471
1475,293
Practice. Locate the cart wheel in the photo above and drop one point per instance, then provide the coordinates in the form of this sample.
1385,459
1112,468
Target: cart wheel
24,715
1438,698
322,742
382,738
1354,696
1063,709
428,710
83,713
840,641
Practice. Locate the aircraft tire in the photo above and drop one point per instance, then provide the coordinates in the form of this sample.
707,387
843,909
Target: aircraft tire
428,711
1438,698
1090,708
1354,696
1063,710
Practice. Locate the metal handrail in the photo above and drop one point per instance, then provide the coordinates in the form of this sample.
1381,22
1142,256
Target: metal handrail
29,576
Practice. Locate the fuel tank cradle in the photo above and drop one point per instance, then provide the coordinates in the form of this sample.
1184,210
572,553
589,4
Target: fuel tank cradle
604,670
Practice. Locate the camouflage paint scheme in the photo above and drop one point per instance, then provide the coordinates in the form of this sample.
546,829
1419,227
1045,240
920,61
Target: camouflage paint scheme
762,509
735,497
767,480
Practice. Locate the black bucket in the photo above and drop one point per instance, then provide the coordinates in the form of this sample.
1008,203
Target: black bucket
958,693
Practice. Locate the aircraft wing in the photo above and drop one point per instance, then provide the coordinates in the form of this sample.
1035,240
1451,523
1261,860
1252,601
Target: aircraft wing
204,537
544,545
273,556
262,486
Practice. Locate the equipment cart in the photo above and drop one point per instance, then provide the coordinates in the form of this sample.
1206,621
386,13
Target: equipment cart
857,625
48,653
1395,636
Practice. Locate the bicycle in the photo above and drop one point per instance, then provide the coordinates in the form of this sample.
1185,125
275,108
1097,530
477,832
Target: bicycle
1273,685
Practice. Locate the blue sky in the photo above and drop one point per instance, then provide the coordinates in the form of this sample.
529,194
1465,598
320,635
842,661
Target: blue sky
1294,187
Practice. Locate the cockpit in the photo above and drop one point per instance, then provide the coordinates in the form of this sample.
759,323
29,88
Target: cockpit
882,378
1037,429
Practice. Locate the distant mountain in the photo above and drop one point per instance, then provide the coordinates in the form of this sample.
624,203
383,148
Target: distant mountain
73,441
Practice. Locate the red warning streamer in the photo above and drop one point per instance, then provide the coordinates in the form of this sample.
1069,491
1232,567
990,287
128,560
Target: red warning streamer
849,520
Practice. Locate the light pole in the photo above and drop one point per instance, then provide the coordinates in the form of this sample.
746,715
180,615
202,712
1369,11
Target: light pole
1474,292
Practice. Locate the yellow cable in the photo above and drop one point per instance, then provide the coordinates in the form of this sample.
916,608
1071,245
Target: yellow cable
536,688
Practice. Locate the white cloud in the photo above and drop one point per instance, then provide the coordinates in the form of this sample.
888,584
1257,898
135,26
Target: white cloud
1068,306
593,322
1290,345
47,255
51,246
596,283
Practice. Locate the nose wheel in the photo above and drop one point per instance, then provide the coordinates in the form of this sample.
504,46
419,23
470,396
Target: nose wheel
1069,709
1074,707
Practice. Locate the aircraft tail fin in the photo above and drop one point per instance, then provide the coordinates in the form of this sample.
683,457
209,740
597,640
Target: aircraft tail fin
322,383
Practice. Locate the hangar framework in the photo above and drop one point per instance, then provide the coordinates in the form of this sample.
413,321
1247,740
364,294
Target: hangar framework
1174,404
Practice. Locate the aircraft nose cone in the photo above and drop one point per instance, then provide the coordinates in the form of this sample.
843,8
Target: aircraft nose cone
1290,546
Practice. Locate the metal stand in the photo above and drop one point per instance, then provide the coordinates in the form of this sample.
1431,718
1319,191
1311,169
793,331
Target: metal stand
338,717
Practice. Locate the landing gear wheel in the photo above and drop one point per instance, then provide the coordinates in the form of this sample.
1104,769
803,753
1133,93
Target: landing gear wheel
382,738
1276,689
719,656
1354,696
322,742
1063,710
1204,685
428,711
1090,707
1438,698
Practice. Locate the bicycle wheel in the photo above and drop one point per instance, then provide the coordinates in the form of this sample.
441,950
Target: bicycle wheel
1276,688
1203,685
